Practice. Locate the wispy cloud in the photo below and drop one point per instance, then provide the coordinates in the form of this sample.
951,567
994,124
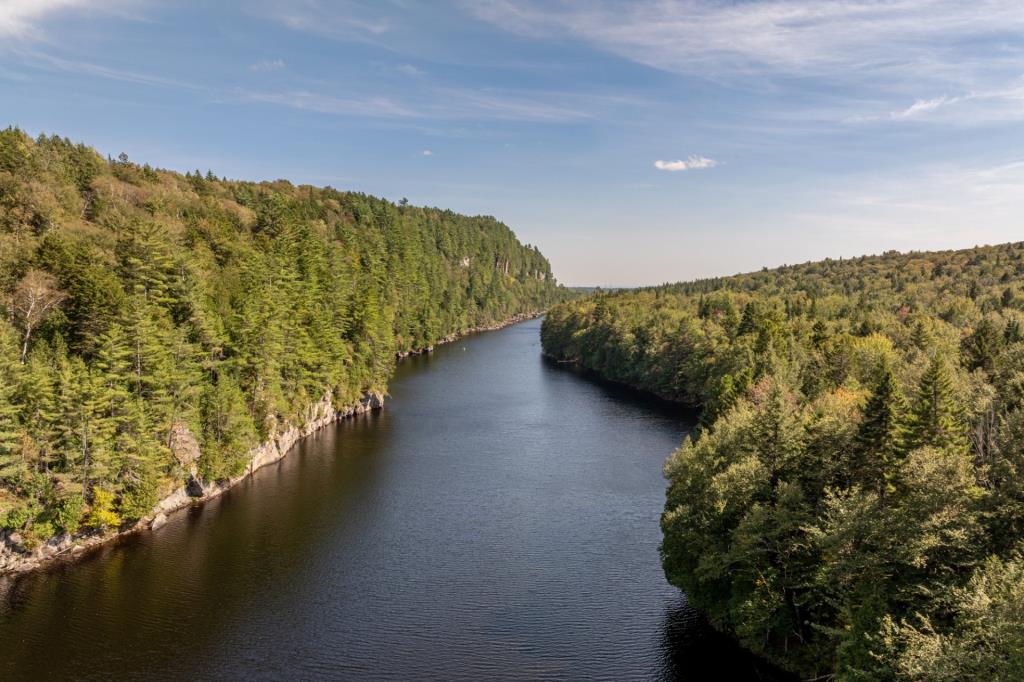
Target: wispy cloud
341,19
268,65
374,107
432,103
41,60
693,162
409,70
428,152
998,105
793,36
923,106
949,204
22,19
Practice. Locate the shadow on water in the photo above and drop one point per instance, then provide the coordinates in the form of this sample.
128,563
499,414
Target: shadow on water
627,394
692,650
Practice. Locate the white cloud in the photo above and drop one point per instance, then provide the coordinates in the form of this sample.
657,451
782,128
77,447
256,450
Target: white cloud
409,70
428,152
18,18
923,106
693,162
268,65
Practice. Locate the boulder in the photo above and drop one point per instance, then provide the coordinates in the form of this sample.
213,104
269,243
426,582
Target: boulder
194,487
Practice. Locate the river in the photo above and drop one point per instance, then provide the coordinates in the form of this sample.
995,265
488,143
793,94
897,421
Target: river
497,520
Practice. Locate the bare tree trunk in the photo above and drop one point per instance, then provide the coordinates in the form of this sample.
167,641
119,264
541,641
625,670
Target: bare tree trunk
24,345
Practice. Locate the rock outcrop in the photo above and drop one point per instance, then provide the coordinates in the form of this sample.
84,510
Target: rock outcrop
15,557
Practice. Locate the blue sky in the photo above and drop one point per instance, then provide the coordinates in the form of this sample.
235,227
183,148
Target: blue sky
634,142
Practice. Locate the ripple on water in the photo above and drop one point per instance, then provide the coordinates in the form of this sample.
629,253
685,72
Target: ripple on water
498,520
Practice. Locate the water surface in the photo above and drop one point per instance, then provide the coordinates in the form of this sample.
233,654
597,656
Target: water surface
497,520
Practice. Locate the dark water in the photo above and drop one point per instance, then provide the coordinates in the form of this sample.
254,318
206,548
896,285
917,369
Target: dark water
498,520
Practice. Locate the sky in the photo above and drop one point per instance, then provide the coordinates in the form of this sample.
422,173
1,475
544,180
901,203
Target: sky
633,142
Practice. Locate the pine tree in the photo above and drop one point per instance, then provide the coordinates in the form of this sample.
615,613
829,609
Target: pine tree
12,463
84,429
935,418
1012,333
777,433
981,347
228,430
37,397
881,436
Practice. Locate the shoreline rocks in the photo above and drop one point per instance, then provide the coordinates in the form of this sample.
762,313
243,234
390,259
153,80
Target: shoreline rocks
455,336
16,559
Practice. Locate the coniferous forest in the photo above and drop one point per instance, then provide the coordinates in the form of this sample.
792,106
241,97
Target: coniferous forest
852,499
142,306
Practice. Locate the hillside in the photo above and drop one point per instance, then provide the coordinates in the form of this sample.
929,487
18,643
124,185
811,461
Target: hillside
853,499
157,326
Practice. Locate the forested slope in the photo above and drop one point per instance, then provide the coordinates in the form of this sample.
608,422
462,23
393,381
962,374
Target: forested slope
142,306
853,500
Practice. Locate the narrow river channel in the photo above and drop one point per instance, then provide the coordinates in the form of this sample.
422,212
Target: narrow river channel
497,520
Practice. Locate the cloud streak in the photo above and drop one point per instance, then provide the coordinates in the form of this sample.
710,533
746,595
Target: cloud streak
41,60
798,37
434,103
268,65
693,162
922,106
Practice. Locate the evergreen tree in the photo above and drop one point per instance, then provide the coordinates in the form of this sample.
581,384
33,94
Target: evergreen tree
881,436
981,347
935,418
12,462
777,434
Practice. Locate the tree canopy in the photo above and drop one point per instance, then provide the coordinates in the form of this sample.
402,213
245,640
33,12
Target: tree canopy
144,308
852,500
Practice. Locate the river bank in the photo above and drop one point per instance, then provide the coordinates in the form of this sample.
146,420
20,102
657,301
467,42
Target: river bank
16,558
498,520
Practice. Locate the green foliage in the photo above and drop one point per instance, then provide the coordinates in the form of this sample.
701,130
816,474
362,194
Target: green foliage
134,299
67,512
852,502
936,419
101,512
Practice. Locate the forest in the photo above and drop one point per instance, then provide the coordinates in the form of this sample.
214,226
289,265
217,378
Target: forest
141,306
851,503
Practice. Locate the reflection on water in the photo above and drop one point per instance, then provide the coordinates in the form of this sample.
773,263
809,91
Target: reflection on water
498,520
691,650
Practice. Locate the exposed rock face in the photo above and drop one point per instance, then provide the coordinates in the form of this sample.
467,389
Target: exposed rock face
184,446
15,557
